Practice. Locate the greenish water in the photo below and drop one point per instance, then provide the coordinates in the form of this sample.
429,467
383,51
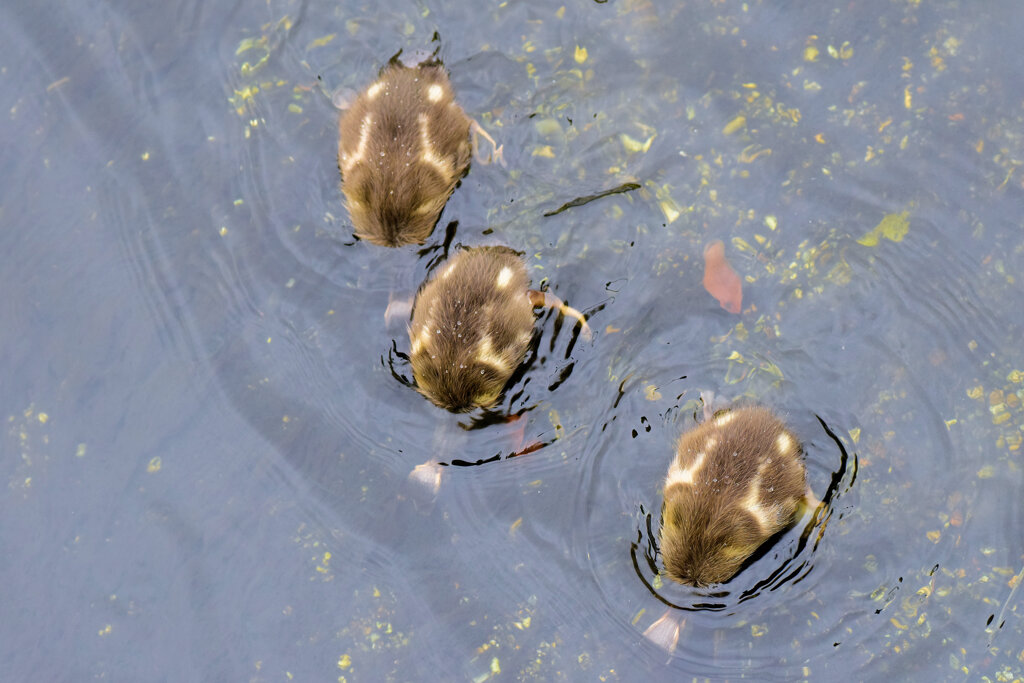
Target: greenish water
205,446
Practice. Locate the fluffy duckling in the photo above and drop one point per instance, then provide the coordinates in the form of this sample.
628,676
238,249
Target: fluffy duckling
471,327
403,145
736,480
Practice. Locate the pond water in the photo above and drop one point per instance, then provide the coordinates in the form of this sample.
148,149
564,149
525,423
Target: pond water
207,439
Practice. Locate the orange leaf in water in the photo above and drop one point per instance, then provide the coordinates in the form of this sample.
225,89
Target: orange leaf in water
720,279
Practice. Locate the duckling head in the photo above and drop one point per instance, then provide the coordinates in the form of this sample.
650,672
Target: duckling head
391,210
702,544
458,384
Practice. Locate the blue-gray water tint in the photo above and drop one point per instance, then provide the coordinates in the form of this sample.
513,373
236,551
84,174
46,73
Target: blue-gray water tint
205,450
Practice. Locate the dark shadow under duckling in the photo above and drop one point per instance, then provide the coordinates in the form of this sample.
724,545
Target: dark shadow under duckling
403,146
736,481
471,327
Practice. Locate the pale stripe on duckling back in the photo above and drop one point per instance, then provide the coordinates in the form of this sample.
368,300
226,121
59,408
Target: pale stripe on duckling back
348,161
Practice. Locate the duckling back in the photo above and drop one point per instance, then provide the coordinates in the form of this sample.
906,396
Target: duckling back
403,145
471,326
735,481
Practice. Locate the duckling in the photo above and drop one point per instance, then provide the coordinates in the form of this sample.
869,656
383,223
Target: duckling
736,480
471,326
403,146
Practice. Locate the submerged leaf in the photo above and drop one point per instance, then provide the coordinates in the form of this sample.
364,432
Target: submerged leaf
720,279
734,125
633,145
893,227
320,42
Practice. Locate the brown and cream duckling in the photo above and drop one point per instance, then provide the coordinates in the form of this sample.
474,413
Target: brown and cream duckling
471,327
735,481
403,146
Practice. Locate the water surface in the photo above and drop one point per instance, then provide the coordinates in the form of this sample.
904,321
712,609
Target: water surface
206,442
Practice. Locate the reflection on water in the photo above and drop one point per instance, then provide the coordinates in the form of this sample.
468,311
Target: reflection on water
208,441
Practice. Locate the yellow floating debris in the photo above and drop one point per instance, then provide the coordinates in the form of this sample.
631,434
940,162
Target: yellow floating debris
633,145
744,246
893,227
752,152
670,209
247,44
556,422
580,55
247,92
548,126
58,83
734,125
320,42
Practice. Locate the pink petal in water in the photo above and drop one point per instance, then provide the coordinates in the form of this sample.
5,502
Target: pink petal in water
720,279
